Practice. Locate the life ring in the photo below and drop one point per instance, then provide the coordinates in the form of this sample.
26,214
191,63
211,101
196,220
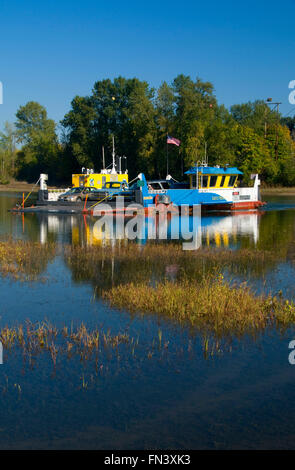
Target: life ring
156,199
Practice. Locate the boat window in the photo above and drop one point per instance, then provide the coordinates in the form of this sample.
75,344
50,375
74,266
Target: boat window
213,180
165,185
155,186
112,185
222,181
232,180
204,181
180,186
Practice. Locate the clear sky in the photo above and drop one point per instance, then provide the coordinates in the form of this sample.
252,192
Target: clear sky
51,51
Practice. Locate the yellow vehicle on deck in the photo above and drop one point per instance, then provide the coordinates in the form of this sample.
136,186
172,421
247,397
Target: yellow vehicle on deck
97,180
89,179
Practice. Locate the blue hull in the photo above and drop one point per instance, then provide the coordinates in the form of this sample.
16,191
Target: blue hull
181,197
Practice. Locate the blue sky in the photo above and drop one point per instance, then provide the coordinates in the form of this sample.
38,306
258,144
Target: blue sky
51,51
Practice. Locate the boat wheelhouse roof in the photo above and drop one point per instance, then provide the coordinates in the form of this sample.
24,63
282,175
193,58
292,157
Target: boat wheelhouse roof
213,170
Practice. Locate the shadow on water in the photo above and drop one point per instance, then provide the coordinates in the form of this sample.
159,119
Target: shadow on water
79,387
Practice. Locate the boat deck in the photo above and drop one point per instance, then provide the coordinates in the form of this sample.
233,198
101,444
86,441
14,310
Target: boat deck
72,208
90,209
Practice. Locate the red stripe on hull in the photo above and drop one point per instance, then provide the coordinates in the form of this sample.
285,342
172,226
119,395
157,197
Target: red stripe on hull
235,206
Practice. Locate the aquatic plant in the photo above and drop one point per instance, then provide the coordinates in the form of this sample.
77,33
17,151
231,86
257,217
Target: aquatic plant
36,338
24,260
210,305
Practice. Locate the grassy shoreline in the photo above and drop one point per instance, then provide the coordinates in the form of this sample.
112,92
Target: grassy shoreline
280,191
22,186
17,187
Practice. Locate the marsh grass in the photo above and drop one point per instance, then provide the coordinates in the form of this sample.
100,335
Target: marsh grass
24,260
187,288
211,306
34,339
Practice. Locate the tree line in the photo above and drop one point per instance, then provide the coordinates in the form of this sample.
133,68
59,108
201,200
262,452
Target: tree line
252,136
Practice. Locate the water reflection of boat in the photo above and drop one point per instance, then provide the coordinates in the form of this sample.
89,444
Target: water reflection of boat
220,230
223,228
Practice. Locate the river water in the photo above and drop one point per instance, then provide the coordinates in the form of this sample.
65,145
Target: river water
172,399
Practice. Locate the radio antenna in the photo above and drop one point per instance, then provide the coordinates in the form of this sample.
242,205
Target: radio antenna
113,155
103,160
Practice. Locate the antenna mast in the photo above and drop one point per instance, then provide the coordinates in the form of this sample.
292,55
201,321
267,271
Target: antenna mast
206,158
103,160
113,155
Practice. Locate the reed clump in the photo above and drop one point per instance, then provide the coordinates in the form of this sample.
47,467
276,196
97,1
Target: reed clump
211,306
24,259
34,339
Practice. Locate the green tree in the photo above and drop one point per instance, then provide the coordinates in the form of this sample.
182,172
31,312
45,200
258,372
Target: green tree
7,152
252,154
220,139
195,110
257,115
165,124
79,135
123,108
290,123
37,133
249,135
282,150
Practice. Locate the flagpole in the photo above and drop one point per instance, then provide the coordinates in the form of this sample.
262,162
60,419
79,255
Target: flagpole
167,154
181,161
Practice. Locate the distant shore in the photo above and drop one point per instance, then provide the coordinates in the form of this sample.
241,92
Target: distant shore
21,186
278,191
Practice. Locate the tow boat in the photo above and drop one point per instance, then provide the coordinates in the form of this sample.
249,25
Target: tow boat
214,188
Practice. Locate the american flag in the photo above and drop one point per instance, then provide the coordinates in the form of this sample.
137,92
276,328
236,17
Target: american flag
173,140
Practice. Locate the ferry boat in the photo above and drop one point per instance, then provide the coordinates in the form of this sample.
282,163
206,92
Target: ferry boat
210,187
216,188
